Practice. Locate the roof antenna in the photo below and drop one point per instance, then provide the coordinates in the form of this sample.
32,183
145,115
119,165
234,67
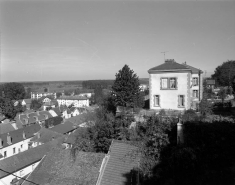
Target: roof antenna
164,54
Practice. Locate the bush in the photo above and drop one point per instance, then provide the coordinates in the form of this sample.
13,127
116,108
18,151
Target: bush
190,115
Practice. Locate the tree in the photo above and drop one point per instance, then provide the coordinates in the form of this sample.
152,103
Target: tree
58,94
36,104
98,95
7,108
222,94
12,91
233,85
28,93
126,89
205,106
225,73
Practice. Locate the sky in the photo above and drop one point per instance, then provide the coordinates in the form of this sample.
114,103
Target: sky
83,40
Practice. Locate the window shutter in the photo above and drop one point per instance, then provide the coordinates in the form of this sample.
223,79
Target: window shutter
176,83
159,100
183,100
161,83
178,100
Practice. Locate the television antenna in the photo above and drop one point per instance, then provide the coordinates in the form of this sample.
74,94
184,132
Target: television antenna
164,52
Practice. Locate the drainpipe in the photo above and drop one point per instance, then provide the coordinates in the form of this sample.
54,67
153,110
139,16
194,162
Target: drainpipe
199,96
180,136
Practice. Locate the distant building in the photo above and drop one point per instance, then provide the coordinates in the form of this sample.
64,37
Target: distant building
76,101
210,84
37,95
26,103
174,86
17,141
143,87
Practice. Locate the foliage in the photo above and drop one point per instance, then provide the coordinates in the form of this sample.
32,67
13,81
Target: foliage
45,89
92,84
53,121
28,93
58,94
233,85
7,108
36,104
98,97
48,108
225,73
190,115
126,89
222,94
12,91
205,107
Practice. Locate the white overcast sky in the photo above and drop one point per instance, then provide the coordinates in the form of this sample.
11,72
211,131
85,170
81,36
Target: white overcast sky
81,40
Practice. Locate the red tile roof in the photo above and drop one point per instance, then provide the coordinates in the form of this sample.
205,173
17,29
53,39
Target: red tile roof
122,159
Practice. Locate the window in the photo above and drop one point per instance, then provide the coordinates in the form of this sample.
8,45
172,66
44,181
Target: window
168,83
195,81
21,146
164,83
195,93
157,100
22,173
5,154
172,83
14,150
181,101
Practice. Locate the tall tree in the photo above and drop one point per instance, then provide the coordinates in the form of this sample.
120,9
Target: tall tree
98,94
36,104
7,108
126,89
12,91
225,73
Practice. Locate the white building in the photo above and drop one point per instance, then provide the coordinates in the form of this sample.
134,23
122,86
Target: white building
37,95
17,141
76,101
174,86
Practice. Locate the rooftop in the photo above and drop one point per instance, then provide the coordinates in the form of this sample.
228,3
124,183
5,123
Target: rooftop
171,65
72,98
59,168
63,128
26,158
122,159
17,135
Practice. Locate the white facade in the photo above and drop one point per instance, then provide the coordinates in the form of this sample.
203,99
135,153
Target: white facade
176,89
14,149
74,102
37,95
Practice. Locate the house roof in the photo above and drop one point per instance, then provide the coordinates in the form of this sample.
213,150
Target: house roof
171,65
17,135
26,158
57,111
82,118
210,82
64,128
46,135
121,160
194,70
72,98
58,168
27,101
6,127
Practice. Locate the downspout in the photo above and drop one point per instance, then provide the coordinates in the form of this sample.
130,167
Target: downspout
199,97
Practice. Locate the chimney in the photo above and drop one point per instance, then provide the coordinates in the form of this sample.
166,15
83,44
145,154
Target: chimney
180,136
38,135
169,60
9,139
24,136
1,143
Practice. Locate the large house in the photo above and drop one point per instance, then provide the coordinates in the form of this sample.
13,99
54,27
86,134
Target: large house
76,101
175,86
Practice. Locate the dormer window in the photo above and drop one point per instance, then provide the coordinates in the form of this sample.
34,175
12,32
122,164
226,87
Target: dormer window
9,139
